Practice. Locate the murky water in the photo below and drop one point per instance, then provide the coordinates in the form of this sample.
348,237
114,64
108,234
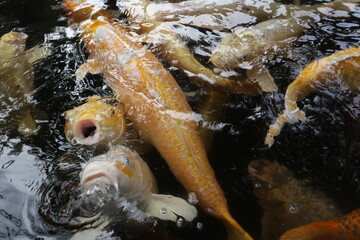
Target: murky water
39,174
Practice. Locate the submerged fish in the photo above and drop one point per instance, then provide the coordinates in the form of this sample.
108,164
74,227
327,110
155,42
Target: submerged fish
340,69
174,50
247,47
287,202
344,228
132,180
17,80
228,14
155,104
99,120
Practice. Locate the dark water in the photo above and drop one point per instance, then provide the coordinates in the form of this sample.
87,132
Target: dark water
39,174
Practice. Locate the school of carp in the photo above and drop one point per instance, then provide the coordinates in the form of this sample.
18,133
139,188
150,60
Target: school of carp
149,106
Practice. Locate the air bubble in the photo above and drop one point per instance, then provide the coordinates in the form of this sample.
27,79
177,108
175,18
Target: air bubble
293,208
180,222
163,211
199,226
192,199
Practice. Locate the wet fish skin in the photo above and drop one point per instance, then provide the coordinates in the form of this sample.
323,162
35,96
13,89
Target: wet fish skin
344,228
174,50
132,179
287,201
17,78
157,106
270,37
341,69
98,121
187,12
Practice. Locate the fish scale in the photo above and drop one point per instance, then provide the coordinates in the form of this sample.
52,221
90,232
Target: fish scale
173,138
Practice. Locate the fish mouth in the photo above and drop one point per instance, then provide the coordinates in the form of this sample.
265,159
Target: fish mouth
87,132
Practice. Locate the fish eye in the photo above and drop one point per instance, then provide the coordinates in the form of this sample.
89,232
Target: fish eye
112,102
124,159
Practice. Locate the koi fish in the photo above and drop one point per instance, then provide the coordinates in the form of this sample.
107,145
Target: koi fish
122,176
339,69
228,14
130,176
344,228
173,49
154,103
17,78
287,201
247,47
99,120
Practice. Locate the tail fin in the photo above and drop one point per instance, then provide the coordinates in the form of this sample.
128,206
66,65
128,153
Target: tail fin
167,207
234,230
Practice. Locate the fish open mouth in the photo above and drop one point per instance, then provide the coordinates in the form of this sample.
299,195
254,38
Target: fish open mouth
86,132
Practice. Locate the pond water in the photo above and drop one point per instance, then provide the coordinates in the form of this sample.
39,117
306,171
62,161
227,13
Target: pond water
39,174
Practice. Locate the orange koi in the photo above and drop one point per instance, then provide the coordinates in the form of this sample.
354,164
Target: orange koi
340,69
154,102
344,228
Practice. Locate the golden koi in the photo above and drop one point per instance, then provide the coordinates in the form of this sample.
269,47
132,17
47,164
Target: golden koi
228,14
339,69
154,103
99,120
344,228
248,47
17,79
176,53
287,202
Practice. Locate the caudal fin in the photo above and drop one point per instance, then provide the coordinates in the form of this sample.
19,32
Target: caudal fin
234,230
167,207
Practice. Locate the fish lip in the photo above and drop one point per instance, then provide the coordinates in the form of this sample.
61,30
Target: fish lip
87,131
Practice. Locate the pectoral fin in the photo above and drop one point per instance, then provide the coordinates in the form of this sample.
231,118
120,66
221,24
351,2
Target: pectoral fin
91,66
27,126
167,207
261,75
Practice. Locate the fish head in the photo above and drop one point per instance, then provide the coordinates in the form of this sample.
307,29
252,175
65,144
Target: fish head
112,168
99,120
12,45
269,174
14,38
235,49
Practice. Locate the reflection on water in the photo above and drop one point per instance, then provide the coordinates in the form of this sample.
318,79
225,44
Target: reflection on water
39,174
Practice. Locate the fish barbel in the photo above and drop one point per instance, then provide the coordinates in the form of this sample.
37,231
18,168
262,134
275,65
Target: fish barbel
288,202
155,104
341,69
344,228
99,120
17,79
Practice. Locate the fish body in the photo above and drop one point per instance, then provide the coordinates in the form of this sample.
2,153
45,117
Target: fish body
98,121
17,78
226,15
157,107
248,47
287,202
344,228
132,180
174,50
341,69
263,39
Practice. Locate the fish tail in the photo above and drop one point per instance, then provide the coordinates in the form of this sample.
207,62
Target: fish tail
234,230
